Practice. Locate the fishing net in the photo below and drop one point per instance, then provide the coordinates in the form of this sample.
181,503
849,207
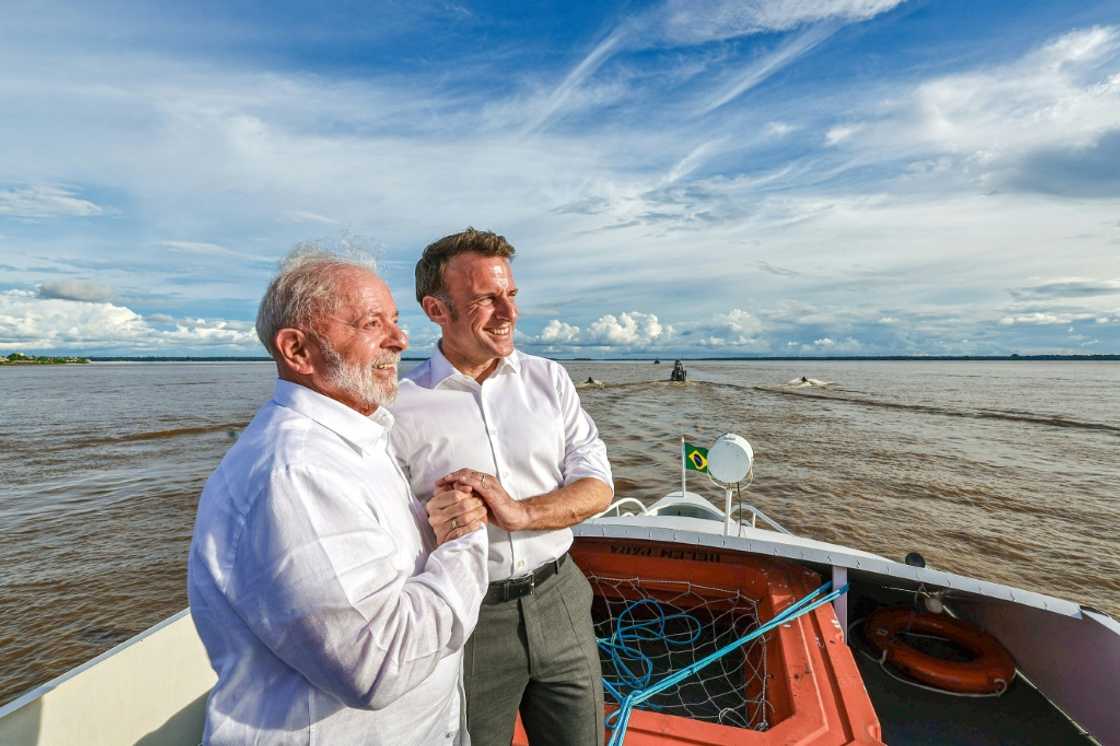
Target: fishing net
648,629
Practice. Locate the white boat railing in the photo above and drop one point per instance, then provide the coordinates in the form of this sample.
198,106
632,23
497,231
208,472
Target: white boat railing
637,507
615,508
756,514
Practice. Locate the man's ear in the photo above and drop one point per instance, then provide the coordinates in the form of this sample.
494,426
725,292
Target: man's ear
292,346
437,309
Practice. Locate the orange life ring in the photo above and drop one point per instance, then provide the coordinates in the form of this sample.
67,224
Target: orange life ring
989,672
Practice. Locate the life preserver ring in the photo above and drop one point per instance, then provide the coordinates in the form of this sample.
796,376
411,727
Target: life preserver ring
990,672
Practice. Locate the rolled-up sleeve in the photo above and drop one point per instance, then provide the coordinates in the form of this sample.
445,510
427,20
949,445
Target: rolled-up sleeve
585,454
316,580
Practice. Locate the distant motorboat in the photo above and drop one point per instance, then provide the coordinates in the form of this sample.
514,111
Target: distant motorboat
806,382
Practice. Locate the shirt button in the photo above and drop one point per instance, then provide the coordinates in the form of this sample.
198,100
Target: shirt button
520,564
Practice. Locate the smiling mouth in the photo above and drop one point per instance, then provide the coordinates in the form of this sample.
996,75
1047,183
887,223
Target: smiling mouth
502,331
390,364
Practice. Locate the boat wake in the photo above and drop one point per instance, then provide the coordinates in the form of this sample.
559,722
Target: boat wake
833,395
809,383
229,427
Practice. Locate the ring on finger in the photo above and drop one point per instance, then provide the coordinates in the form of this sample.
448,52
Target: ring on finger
454,523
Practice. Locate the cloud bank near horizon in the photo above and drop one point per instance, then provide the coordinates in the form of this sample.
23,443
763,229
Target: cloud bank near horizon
826,177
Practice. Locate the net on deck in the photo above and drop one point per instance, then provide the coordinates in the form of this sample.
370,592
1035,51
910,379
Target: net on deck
648,629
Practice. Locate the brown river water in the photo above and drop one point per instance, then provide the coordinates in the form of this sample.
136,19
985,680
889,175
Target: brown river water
1007,471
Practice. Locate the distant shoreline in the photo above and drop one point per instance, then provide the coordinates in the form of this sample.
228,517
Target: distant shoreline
18,359
837,358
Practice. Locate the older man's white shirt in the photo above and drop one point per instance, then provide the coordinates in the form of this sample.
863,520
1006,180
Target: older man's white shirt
523,424
327,614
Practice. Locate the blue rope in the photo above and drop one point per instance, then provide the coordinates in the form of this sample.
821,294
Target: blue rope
628,630
621,717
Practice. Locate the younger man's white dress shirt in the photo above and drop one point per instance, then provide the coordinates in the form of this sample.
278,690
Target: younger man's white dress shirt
327,614
523,424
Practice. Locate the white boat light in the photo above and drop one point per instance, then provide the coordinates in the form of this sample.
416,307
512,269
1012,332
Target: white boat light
730,458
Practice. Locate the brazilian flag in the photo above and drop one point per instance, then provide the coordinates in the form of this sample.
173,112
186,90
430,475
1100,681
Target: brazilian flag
695,458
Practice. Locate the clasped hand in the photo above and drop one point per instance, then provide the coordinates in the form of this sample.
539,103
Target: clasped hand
454,512
502,509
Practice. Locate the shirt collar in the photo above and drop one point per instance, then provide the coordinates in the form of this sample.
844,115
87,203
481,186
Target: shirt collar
349,424
442,369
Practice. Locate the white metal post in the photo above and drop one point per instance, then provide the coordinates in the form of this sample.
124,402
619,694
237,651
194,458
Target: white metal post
682,467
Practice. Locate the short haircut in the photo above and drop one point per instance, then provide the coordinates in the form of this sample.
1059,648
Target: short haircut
306,289
433,262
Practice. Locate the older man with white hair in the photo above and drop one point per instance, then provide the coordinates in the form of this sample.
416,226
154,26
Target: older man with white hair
333,605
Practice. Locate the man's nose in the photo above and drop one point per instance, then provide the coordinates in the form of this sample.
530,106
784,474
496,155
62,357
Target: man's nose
506,308
397,338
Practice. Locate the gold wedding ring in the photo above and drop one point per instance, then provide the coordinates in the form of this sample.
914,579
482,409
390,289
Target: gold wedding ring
454,523
483,480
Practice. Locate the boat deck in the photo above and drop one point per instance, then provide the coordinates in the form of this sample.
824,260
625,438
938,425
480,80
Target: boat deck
911,716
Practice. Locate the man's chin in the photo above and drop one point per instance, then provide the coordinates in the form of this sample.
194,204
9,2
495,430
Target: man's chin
501,348
386,394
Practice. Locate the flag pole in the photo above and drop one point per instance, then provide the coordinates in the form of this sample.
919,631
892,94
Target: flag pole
682,467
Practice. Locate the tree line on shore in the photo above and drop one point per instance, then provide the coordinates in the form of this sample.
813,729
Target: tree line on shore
18,358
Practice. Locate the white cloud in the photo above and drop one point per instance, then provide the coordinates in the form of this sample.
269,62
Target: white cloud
981,124
45,201
205,248
829,346
557,331
737,329
761,69
699,21
840,133
29,322
563,93
694,159
740,322
195,247
1039,318
305,216
779,129
631,329
695,22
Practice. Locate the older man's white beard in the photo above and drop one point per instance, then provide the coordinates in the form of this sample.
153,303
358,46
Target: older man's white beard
359,381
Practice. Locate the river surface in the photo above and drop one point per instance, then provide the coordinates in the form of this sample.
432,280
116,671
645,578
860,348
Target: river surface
1007,471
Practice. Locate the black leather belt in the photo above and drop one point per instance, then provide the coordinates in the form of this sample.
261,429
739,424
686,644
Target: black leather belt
507,590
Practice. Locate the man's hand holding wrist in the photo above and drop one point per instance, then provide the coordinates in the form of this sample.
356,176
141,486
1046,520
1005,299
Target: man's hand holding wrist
504,511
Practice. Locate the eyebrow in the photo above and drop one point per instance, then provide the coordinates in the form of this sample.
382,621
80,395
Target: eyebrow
476,296
379,312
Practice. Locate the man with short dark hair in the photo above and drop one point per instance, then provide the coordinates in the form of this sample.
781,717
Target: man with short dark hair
481,416
330,611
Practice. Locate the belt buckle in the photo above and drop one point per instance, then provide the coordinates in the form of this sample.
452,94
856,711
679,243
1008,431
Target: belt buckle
514,586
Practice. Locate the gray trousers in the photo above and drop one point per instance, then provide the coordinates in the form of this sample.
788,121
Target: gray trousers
538,654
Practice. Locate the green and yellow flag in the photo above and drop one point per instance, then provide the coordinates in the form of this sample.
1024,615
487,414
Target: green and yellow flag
695,458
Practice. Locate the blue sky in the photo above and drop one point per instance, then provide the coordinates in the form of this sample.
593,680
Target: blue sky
810,177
